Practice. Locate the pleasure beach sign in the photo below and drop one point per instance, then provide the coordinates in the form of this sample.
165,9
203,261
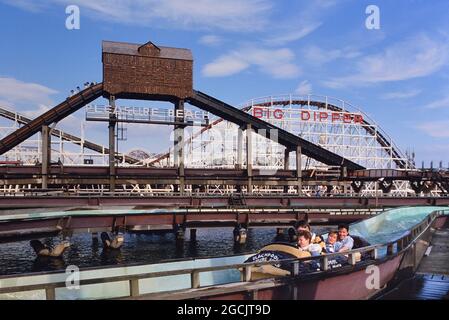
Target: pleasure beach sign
100,112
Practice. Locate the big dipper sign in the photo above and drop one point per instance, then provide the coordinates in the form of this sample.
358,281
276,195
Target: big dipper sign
310,115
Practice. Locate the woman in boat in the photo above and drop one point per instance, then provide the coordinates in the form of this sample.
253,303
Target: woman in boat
305,245
304,226
45,251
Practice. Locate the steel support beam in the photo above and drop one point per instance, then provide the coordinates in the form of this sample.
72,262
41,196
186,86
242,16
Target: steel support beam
239,164
179,144
111,127
286,163
46,154
249,157
299,168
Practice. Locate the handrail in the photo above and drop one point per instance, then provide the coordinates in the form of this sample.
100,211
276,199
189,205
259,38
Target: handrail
130,193
408,239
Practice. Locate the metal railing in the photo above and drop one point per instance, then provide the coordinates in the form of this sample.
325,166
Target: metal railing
33,192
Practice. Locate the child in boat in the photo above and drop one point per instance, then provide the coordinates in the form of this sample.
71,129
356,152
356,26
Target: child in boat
304,226
331,241
304,238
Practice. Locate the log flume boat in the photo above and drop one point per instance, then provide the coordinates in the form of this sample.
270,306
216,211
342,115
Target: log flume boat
398,238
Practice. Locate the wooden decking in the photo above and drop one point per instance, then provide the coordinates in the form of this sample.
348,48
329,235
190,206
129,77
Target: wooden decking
431,281
438,260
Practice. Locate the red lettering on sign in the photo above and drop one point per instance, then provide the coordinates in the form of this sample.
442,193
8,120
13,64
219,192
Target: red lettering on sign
335,116
358,118
305,115
323,116
347,118
257,112
278,114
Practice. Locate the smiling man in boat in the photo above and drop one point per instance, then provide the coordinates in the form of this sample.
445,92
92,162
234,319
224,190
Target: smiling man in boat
345,241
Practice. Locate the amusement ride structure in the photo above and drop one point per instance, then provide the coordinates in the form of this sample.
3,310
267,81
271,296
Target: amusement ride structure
307,145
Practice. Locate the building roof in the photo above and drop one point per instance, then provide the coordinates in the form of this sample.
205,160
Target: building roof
132,49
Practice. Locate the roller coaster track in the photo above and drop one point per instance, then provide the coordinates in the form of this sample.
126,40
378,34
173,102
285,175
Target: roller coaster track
380,138
165,155
21,119
198,99
240,117
55,114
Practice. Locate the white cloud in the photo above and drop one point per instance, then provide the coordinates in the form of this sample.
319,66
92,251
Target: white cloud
304,88
300,19
299,32
33,113
275,62
437,129
236,15
27,5
401,94
416,57
14,91
317,55
32,100
225,66
440,103
210,40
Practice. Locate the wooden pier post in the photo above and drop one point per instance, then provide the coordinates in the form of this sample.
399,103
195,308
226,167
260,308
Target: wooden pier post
193,234
179,230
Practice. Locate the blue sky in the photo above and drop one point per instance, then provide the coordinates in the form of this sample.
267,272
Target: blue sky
243,49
